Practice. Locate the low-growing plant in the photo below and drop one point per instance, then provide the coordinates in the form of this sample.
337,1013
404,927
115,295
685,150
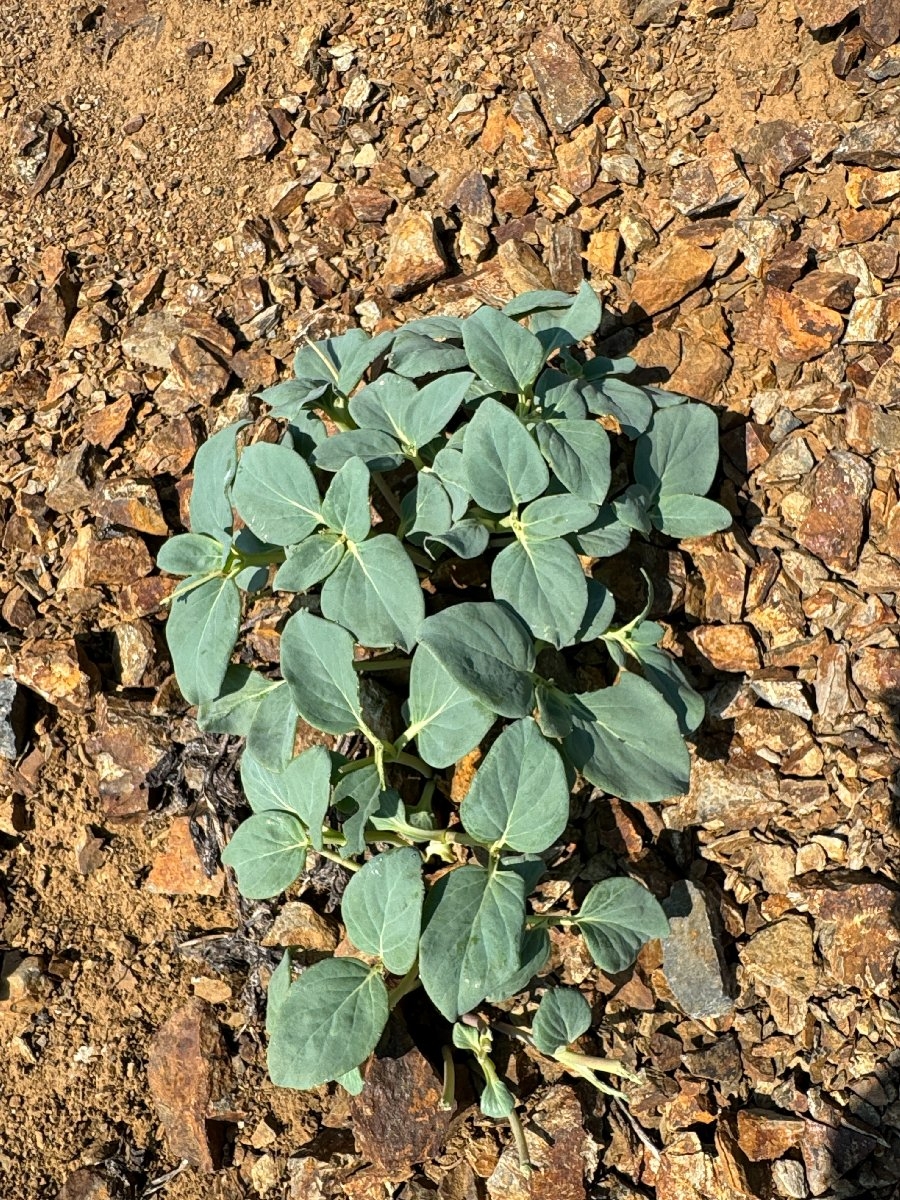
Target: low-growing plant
433,513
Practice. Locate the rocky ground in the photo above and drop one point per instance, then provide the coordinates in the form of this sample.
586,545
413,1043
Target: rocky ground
189,186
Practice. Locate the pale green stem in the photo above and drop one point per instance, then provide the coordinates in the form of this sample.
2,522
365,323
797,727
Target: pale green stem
407,984
448,1095
518,1133
336,858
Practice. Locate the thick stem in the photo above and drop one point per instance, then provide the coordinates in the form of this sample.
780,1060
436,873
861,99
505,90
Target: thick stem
551,918
410,760
336,858
407,984
448,1100
518,1133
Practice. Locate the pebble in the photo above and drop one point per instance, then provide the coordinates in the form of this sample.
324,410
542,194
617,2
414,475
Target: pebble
691,961
712,182
676,273
727,647
298,924
782,956
12,718
838,491
569,84
177,869
415,257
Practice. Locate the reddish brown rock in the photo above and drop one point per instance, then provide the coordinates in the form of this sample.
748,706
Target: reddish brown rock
856,927
578,160
782,956
873,143
415,257
823,14
71,484
702,371
397,1118
792,328
188,1073
876,672
91,1183
258,134
727,647
527,134
779,147
131,753
168,448
714,181
177,869
675,274
829,289
861,225
563,1154
299,925
880,21
521,267
369,203
103,425
765,1135
133,504
568,82
833,528
56,670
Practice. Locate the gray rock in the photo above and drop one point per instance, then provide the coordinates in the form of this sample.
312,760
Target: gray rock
12,718
569,83
872,144
691,960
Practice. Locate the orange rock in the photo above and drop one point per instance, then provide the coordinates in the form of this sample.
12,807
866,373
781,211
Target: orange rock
177,869
675,274
727,647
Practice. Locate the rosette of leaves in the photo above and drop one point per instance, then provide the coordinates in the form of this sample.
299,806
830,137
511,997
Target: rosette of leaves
430,514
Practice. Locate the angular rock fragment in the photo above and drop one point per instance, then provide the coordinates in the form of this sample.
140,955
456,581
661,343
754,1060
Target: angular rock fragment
790,327
712,182
782,956
677,272
12,718
177,870
578,160
132,504
873,143
527,133
823,14
568,82
415,257
727,647
839,491
856,929
764,1134
299,925
56,670
563,1154
880,21
691,960
188,1072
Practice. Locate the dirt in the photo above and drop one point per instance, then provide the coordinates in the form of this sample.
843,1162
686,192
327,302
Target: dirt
791,819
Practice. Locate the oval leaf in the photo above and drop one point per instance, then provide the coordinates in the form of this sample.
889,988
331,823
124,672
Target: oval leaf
545,584
275,493
504,354
520,796
201,631
617,917
563,1015
317,662
191,554
329,1023
502,463
375,592
446,720
267,853
382,908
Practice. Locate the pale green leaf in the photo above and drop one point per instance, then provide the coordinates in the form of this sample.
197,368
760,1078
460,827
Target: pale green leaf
382,908
496,1100
617,917
275,493
545,584
578,453
330,1023
553,517
191,554
379,451
267,853
214,467
519,797
303,788
234,708
273,728
679,453
346,503
683,516
310,562
504,355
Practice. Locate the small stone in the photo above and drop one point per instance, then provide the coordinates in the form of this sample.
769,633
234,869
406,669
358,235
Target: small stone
134,504
285,197
873,143
562,1152
779,148
151,338
54,669
830,1151
528,133
196,377
578,160
823,14
258,134
71,484
691,960
298,924
177,869
830,289
397,1118
369,203
656,12
727,647
677,272
862,225
792,328
782,956
789,1179
764,1135
415,257
167,449
603,251
702,371
105,561
188,1074
265,1174
856,930
621,168
131,753
521,267
715,181
564,259
103,425
471,198
780,690
88,852
880,21
86,329
90,1183
874,318
832,530
568,82
12,718
876,672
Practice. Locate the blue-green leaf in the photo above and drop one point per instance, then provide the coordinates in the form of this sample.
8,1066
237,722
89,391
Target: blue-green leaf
303,788
329,1023
275,493
630,405
375,592
578,452
617,917
503,354
273,728
486,649
317,662
382,908
191,554
626,740
413,416
604,537
465,539
679,453
346,503
563,1015
267,853
520,796
446,720
234,709
470,945
414,355
554,516
201,632
379,451
310,562
684,516
503,465
214,466
544,583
